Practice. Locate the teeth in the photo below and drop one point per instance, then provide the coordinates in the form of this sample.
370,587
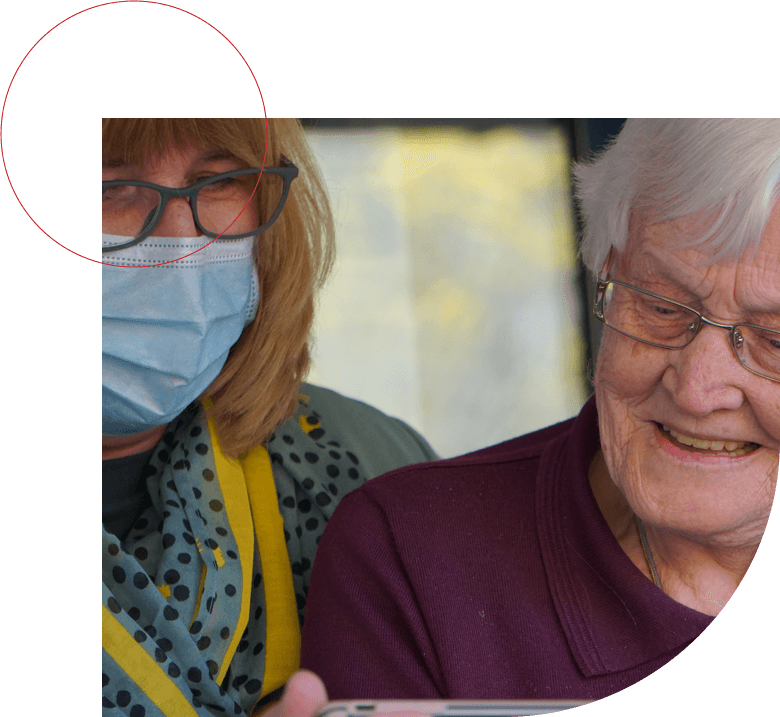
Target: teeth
739,448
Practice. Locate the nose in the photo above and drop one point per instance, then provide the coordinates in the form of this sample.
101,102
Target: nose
706,375
177,220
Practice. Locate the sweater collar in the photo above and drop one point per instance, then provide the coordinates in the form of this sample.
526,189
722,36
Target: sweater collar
613,617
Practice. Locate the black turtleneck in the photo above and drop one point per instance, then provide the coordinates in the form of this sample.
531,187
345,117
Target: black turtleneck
124,492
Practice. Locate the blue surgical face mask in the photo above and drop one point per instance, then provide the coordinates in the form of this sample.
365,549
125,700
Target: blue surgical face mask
167,330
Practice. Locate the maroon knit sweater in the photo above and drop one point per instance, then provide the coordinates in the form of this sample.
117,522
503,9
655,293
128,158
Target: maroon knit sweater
492,575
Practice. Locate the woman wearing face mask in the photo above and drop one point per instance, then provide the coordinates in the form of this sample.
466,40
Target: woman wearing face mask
220,467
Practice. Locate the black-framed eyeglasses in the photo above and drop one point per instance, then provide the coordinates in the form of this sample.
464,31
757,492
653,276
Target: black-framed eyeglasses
667,324
134,209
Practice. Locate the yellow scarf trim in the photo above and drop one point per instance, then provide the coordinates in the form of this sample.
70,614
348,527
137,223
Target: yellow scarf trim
252,476
249,491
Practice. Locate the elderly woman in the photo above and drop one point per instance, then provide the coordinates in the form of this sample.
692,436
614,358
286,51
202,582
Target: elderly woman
220,468
573,562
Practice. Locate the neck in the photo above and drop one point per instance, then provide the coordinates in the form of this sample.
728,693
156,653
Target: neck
123,446
701,572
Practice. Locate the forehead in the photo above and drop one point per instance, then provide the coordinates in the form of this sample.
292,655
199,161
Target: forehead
661,251
174,155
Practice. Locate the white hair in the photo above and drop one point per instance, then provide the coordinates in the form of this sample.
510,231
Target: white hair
670,168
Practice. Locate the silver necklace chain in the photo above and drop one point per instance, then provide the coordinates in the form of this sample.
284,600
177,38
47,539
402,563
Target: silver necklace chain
648,553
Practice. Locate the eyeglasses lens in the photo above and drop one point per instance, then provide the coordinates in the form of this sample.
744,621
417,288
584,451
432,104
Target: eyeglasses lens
667,325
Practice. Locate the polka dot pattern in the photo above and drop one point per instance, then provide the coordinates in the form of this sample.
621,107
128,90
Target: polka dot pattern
175,583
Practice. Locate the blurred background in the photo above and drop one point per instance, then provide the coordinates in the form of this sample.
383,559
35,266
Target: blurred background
458,302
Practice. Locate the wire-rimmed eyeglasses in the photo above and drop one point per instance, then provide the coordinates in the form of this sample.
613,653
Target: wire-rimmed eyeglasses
287,173
667,324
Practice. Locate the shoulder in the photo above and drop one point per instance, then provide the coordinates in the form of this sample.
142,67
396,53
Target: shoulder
342,408
476,505
372,440
503,473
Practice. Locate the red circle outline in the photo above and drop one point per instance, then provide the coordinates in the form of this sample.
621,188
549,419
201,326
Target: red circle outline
121,2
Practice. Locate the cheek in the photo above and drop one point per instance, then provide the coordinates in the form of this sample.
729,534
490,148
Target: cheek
628,369
628,374
766,407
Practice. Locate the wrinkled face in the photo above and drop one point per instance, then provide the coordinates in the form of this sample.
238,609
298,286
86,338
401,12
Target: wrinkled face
699,392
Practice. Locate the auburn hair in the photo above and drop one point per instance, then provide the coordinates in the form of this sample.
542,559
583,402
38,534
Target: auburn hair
258,385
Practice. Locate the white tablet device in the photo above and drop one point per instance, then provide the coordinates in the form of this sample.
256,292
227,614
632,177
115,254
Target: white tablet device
448,708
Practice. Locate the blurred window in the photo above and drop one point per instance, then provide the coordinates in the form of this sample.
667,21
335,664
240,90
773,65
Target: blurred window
455,301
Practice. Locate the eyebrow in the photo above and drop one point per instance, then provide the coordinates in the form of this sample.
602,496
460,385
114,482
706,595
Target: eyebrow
765,305
210,155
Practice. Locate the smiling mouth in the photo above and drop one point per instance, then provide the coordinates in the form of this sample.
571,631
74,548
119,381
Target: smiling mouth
733,449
